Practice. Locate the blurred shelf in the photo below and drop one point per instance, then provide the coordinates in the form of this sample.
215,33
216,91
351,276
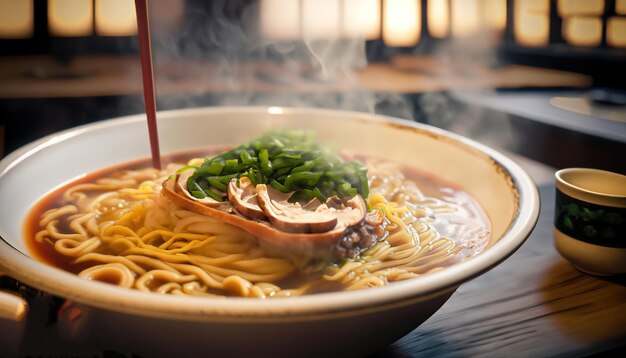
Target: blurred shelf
547,107
528,123
43,77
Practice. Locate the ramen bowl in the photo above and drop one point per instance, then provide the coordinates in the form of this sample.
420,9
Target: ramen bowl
347,323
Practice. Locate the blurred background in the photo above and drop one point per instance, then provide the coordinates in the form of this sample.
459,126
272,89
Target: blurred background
544,79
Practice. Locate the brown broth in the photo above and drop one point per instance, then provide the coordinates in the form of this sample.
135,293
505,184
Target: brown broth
428,183
46,252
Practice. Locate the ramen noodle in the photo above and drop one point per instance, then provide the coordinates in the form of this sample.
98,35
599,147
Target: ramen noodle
116,227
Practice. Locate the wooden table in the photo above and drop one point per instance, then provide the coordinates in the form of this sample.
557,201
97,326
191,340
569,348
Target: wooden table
534,304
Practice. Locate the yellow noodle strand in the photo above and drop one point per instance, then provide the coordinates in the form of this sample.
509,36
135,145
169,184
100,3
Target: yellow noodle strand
139,239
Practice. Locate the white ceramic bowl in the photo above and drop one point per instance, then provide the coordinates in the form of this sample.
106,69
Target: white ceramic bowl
341,323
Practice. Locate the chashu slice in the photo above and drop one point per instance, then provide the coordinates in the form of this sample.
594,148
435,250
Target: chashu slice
314,217
263,230
244,198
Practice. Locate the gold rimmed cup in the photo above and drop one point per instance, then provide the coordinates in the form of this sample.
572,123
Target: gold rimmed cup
590,220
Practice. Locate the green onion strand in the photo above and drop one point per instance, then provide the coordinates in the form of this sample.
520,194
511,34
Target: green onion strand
288,161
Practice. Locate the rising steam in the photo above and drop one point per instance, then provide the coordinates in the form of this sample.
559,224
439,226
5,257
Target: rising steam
228,61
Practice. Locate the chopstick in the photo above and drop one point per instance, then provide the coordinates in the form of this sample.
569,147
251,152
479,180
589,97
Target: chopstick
12,307
143,32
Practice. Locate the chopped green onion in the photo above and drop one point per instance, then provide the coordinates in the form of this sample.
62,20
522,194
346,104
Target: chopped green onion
246,158
217,184
288,160
215,196
278,186
185,168
302,179
308,165
198,194
224,179
266,165
215,168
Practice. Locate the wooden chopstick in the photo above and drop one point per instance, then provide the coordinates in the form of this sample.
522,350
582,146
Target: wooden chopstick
12,307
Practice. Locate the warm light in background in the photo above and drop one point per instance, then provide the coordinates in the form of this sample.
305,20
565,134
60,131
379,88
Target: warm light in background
438,14
280,19
616,32
70,17
361,19
468,17
580,7
531,22
16,19
402,22
582,31
620,7
495,14
320,19
465,17
115,18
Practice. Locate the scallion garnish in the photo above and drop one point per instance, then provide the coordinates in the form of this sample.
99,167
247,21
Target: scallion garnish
289,161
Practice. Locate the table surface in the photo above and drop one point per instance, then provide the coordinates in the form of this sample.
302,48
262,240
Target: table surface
533,304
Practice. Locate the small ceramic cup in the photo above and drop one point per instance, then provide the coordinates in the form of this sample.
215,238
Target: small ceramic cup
590,220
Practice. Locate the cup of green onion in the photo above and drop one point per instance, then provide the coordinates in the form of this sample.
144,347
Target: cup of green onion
590,220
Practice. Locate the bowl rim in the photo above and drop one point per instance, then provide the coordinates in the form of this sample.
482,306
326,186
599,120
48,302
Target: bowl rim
317,306
561,179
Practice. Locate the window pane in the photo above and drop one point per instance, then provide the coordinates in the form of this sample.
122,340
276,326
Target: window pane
361,19
70,17
616,32
531,22
116,18
583,31
438,18
280,19
402,23
569,8
16,19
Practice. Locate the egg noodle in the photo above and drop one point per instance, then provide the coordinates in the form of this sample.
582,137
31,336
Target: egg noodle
129,235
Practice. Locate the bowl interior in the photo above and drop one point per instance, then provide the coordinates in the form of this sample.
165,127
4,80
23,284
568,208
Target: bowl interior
500,186
600,182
